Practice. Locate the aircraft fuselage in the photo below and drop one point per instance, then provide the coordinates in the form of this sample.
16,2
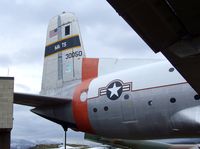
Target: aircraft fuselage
151,101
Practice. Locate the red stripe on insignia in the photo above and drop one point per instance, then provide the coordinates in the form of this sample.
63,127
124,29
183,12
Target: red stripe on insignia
80,108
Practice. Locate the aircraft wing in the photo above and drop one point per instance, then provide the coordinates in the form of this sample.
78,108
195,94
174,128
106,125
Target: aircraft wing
138,144
168,26
38,100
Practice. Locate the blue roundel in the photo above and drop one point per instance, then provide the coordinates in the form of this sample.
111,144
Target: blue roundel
114,90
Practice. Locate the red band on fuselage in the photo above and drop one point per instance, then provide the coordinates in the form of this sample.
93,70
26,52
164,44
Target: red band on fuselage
89,68
80,108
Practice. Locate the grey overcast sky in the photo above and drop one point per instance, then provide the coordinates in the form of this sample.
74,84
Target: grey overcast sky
23,28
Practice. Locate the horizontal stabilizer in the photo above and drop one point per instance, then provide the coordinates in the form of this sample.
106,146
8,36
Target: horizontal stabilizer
38,100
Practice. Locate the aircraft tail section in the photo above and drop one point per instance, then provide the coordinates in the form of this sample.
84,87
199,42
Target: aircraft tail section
63,52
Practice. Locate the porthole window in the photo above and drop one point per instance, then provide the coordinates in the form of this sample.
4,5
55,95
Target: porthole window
171,69
126,96
95,110
150,102
105,108
172,100
196,97
83,96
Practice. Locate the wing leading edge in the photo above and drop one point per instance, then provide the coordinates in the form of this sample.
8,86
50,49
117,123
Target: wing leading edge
38,100
170,27
138,144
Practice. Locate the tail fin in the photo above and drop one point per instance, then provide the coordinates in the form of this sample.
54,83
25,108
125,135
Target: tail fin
63,52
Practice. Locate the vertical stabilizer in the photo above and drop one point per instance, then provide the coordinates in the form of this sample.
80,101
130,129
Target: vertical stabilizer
63,52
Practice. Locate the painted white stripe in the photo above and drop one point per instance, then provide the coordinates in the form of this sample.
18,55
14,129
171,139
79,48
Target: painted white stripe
103,94
126,89
128,85
103,90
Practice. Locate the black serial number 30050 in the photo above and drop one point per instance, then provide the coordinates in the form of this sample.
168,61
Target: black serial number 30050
74,54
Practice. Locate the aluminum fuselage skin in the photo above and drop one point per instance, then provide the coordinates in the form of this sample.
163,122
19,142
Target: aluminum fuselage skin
156,102
160,104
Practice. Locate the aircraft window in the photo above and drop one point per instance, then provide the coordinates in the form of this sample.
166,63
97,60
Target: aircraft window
83,96
95,110
171,69
126,96
150,102
172,100
67,30
106,108
197,97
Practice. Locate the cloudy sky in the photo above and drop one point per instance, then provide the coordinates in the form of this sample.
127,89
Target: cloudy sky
23,28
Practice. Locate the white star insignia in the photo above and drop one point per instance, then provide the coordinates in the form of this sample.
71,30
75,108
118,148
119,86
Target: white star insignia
114,90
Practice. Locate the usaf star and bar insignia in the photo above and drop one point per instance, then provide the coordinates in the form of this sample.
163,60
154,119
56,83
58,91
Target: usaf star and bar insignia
114,89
